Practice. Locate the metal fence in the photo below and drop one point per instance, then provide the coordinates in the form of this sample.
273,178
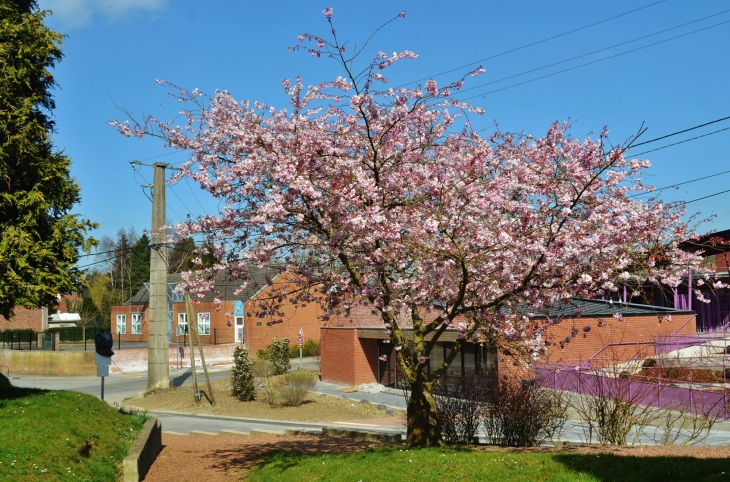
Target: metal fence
19,340
695,398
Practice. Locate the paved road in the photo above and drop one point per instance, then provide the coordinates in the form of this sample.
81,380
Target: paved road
119,387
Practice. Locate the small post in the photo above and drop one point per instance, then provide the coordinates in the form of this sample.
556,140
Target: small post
300,342
104,343
119,341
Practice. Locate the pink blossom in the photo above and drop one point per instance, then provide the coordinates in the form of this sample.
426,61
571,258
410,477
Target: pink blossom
391,202
327,12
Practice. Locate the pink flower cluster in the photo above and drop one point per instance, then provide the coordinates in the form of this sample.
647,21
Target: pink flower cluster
392,199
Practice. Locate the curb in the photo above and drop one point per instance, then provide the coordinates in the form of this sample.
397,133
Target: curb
387,438
144,451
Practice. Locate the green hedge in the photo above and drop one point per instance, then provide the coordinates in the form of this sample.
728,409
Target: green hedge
310,348
16,336
74,334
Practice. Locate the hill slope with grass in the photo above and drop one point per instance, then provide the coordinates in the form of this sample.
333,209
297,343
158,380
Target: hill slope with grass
60,435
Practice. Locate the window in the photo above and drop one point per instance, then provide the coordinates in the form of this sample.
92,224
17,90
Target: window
136,323
204,323
182,323
121,324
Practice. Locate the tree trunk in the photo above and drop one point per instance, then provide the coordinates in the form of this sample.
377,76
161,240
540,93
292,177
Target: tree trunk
424,429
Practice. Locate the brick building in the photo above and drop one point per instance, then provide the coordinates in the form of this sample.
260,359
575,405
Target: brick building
35,319
352,346
233,321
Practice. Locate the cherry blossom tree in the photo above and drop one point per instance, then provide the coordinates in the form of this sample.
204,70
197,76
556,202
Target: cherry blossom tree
389,197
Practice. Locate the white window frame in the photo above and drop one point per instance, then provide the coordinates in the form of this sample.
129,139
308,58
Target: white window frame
122,327
182,320
137,319
203,322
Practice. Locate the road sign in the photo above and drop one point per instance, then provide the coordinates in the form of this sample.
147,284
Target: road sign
300,341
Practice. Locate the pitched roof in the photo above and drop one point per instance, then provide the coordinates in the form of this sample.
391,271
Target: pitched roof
581,307
226,288
368,317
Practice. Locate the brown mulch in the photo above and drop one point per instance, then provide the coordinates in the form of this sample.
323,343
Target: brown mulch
318,409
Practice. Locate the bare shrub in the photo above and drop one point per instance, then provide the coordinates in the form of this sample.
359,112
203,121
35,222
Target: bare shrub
691,428
518,413
612,406
295,387
264,371
460,403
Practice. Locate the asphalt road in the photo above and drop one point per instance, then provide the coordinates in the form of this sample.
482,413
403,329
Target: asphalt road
119,387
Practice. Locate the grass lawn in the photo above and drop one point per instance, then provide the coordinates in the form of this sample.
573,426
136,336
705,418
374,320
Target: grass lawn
59,435
472,465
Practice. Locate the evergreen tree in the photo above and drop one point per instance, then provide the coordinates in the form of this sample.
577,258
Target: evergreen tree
181,256
140,263
121,274
242,378
40,238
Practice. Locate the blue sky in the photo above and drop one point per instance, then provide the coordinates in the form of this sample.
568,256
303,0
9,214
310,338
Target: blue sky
117,48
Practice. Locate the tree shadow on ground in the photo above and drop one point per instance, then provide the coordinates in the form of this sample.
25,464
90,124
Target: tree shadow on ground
626,468
250,456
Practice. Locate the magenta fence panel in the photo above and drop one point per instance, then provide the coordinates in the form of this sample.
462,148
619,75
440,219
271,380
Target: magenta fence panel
693,398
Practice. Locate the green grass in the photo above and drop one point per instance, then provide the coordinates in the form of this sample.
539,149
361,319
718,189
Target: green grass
60,435
473,465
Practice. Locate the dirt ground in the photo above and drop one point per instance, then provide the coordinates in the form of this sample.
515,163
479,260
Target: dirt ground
317,408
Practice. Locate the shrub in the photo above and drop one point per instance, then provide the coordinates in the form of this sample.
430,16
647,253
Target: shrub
611,409
673,372
279,355
262,354
727,374
522,414
296,388
264,370
309,348
4,382
460,404
649,363
242,377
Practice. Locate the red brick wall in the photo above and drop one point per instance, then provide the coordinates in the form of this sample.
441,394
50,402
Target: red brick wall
258,334
128,310
220,332
24,319
347,359
624,336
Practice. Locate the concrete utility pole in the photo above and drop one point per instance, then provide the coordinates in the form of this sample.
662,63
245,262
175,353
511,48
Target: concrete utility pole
158,364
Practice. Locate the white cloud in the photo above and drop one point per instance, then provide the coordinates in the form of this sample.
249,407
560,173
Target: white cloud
78,13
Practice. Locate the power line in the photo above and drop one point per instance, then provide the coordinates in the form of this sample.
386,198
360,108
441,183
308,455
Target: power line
591,53
195,196
681,142
592,62
166,204
161,155
703,197
534,43
180,199
683,131
679,184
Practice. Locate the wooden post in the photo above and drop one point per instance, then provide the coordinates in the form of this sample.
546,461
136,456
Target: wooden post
189,314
